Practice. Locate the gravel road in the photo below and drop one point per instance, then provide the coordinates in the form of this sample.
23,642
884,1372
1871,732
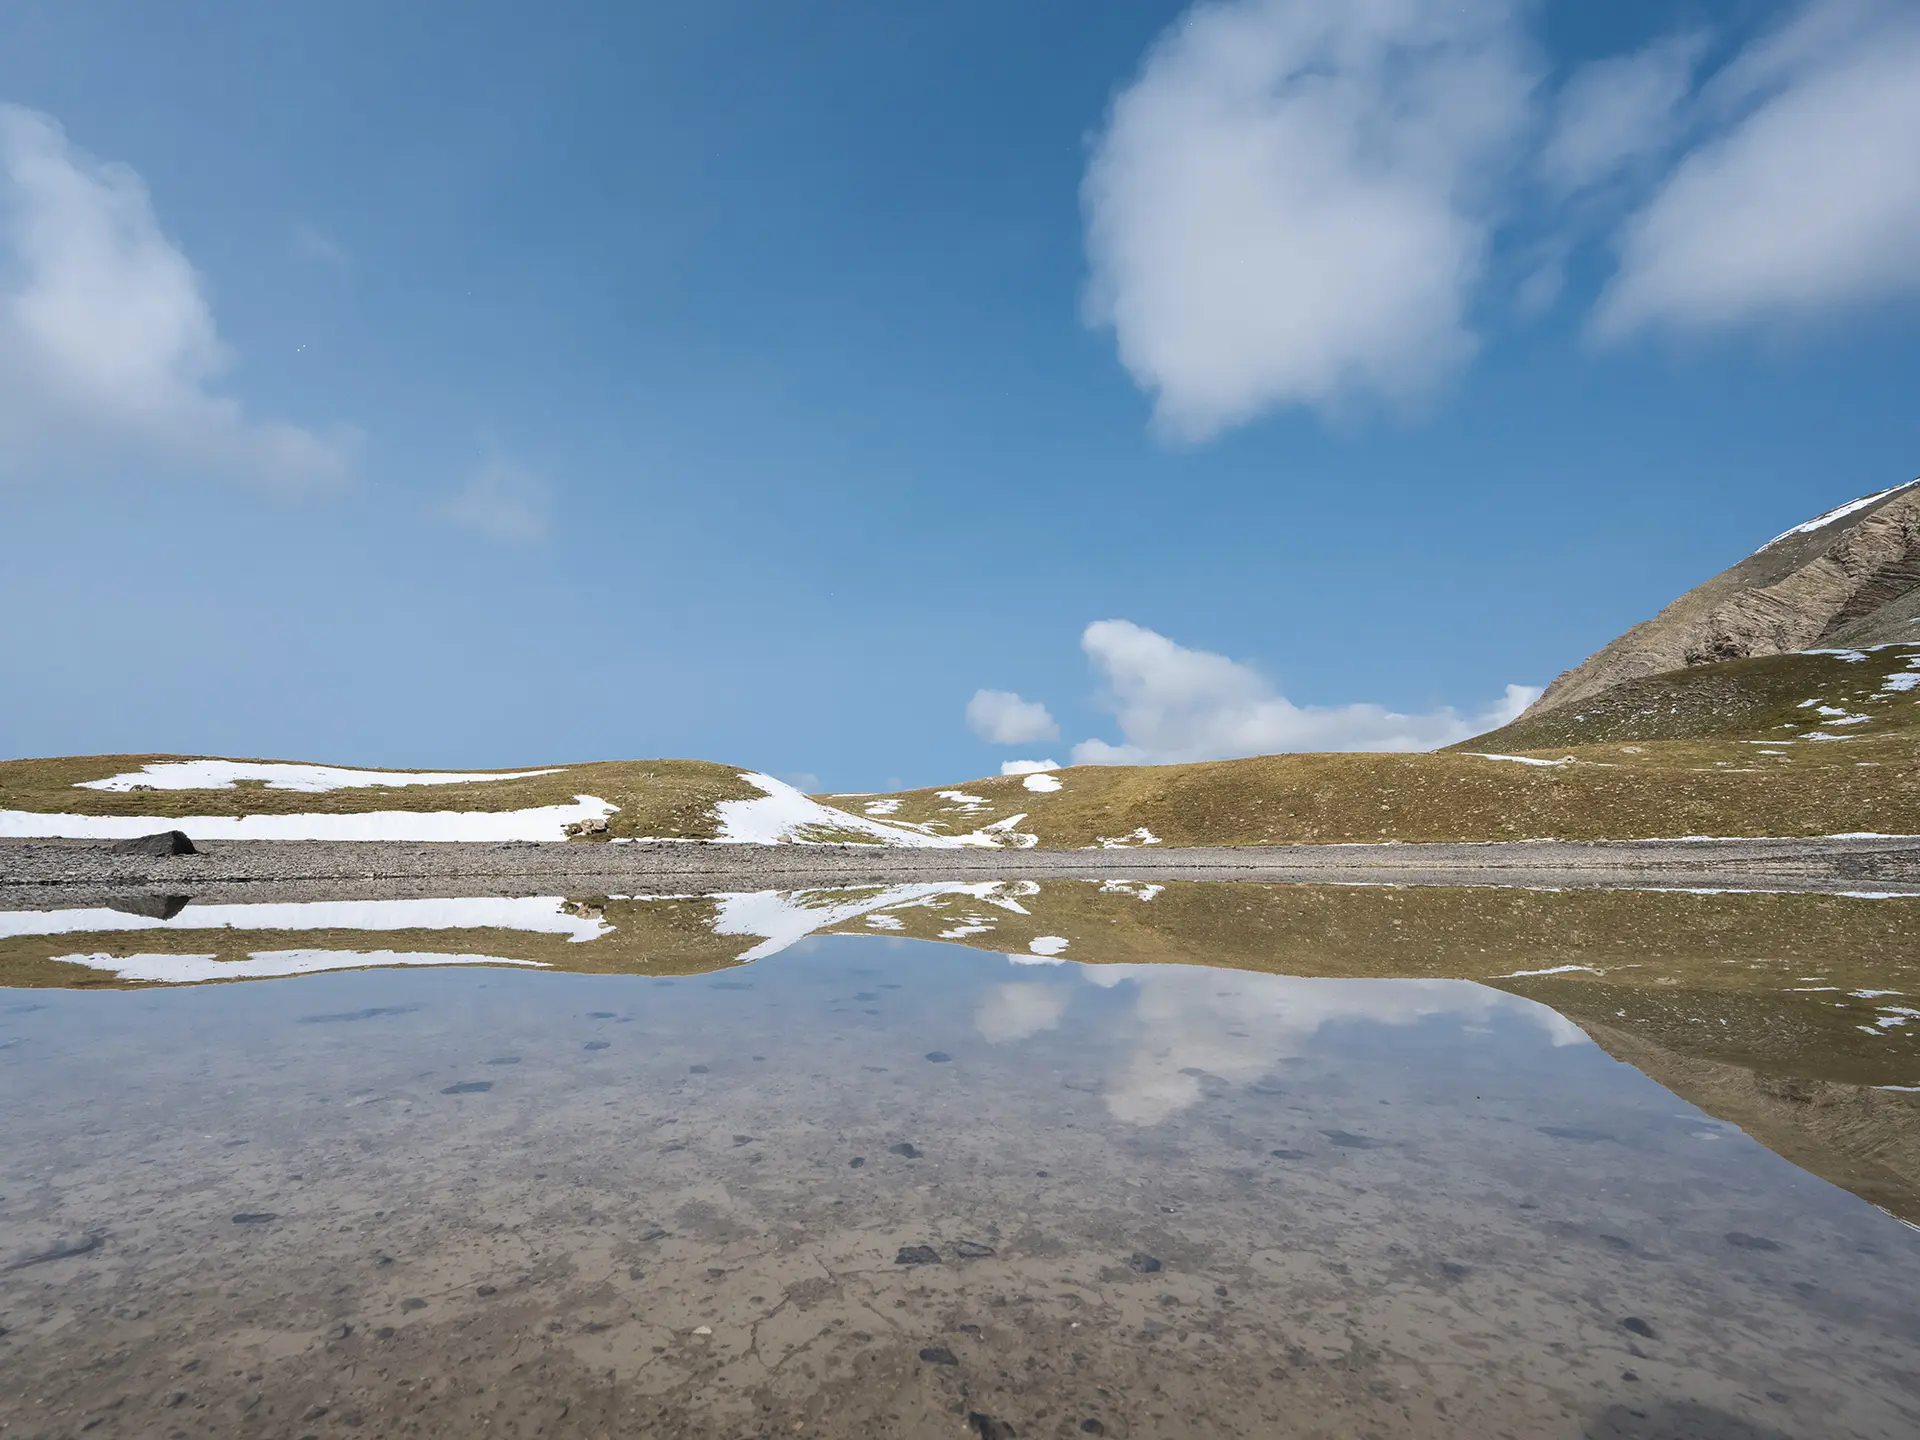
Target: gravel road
252,868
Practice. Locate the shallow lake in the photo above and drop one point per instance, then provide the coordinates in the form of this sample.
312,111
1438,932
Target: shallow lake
877,1185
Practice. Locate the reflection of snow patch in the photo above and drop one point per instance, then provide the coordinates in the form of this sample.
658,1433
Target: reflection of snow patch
1569,969
546,822
308,779
1042,783
270,964
1047,944
543,915
784,917
1129,887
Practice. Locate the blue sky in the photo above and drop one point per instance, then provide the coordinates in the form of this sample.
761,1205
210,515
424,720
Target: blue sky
489,384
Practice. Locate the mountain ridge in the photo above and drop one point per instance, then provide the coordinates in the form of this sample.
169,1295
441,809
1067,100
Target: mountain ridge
1847,578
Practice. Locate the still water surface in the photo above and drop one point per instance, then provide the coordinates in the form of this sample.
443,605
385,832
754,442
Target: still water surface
882,1187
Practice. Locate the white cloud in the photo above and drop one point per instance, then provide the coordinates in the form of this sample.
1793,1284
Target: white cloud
107,344
502,502
1174,704
1003,718
1028,767
1289,205
1020,1010
1806,201
1616,112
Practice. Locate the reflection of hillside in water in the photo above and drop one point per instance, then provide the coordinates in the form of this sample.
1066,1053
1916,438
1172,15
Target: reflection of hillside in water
1791,1014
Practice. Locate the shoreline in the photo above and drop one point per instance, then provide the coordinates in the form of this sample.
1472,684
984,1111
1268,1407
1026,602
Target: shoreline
34,868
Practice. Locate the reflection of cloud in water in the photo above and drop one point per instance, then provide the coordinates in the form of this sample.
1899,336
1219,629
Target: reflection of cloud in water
1234,1026
1020,1009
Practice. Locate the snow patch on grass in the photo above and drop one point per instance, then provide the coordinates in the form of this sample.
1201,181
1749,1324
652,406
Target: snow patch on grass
784,815
1521,759
545,822
1045,784
307,779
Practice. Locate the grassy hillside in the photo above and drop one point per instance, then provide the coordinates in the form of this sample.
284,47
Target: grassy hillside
1810,744
656,797
1716,787
1848,693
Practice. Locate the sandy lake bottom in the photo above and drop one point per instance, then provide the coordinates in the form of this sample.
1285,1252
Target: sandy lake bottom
882,1187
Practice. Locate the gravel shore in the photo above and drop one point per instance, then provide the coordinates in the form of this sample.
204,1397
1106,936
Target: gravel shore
252,868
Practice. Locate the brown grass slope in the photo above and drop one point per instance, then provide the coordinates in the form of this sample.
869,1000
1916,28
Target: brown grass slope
1776,697
673,798
1664,788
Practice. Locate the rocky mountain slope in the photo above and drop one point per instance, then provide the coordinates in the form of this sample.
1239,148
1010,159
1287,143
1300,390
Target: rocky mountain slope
1847,579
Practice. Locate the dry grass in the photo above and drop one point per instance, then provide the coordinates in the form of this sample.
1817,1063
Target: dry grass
1763,698
1668,788
1670,755
669,798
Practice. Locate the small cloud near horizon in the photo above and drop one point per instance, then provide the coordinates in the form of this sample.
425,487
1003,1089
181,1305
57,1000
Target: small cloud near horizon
1001,717
1175,705
502,502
